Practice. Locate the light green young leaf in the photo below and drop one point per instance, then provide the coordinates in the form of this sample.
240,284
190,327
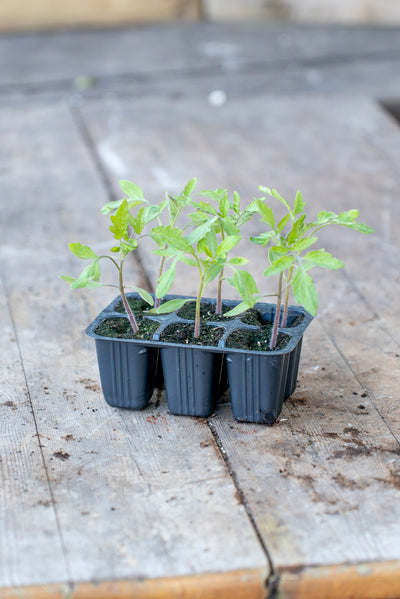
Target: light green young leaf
325,216
67,279
277,196
131,190
230,227
82,251
224,206
200,231
360,227
151,212
323,259
228,244
299,204
145,295
263,239
303,244
239,309
279,265
169,306
165,281
238,261
189,187
276,252
283,222
138,222
243,281
119,221
266,213
212,243
236,201
188,260
304,291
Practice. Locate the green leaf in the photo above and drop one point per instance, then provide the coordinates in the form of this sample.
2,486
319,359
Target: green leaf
213,271
131,190
189,187
263,239
236,201
230,227
169,306
120,221
266,213
228,244
323,259
188,260
139,222
277,196
200,232
282,223
239,309
303,244
360,227
238,261
150,213
89,277
297,229
82,251
67,279
276,252
299,204
245,284
279,265
325,216
145,295
304,292
224,206
165,281
348,216
212,243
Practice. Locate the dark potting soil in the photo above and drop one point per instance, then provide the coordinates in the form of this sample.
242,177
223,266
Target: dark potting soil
296,321
120,328
184,333
137,304
207,313
256,340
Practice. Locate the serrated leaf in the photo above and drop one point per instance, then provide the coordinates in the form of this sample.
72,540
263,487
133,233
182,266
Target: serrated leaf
278,196
169,306
304,292
120,221
165,281
131,190
325,216
297,229
299,204
230,227
82,251
138,222
323,259
212,272
145,295
348,216
236,201
279,265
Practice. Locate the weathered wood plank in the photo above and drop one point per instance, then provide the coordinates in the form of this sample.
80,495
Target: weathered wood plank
41,14
229,585
201,48
137,495
24,486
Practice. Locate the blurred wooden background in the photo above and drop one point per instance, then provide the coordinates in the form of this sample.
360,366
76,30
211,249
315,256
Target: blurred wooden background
18,15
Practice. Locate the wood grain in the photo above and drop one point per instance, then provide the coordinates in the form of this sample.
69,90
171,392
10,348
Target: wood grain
40,13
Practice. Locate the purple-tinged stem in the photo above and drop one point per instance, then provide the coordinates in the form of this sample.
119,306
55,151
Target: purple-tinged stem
127,307
218,309
285,309
274,334
197,317
160,272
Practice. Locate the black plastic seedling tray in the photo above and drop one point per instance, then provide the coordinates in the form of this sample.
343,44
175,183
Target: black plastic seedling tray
259,381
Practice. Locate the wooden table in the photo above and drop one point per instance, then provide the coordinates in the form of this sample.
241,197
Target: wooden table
98,502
